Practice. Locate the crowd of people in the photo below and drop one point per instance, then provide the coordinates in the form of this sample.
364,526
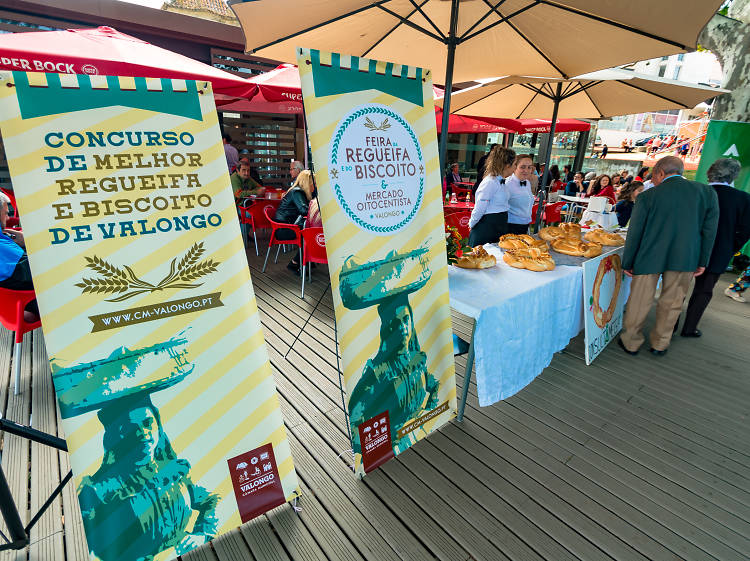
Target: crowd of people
681,230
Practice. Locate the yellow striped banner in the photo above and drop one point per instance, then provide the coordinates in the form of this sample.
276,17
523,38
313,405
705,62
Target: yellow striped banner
372,133
157,354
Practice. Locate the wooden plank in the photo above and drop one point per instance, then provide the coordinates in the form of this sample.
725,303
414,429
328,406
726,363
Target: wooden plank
664,495
263,540
46,535
232,547
16,450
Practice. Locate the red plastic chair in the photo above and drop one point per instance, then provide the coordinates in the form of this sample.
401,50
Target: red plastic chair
461,192
12,303
313,251
254,216
552,213
296,241
460,221
534,210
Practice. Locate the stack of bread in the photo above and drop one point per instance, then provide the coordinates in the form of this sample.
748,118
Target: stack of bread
603,237
531,258
520,241
477,258
566,239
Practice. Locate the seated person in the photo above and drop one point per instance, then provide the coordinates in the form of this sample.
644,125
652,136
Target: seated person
576,187
626,202
293,209
15,273
245,154
602,187
452,177
243,185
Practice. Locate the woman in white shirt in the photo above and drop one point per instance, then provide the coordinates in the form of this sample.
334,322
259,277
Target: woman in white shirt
520,199
489,219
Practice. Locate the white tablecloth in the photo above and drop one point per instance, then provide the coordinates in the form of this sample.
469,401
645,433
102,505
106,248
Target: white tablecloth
607,220
522,319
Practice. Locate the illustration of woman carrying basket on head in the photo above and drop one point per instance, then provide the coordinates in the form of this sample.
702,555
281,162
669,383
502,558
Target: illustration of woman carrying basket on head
141,499
396,379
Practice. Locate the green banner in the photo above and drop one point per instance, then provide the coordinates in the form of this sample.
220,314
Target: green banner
727,139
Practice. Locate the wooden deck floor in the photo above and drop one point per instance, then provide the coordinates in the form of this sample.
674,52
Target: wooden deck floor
631,458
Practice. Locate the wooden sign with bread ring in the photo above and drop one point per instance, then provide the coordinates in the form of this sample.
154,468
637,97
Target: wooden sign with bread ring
613,264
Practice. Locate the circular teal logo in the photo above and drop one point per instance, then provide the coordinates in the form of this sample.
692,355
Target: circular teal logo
377,169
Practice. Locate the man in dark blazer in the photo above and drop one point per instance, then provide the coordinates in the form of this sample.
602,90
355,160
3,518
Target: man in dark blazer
733,233
670,235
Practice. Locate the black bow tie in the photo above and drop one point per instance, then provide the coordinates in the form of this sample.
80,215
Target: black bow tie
523,183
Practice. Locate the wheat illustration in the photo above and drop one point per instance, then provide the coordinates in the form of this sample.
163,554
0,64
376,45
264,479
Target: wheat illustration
124,282
385,125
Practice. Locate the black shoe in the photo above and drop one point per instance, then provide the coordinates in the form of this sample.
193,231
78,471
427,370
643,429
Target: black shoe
657,352
696,333
294,267
622,346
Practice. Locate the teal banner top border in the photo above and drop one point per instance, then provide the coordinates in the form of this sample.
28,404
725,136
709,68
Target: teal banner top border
52,99
333,79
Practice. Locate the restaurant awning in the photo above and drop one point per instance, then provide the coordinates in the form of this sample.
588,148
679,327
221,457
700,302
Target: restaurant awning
108,52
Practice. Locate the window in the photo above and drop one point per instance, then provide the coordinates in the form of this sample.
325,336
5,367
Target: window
662,70
681,57
676,73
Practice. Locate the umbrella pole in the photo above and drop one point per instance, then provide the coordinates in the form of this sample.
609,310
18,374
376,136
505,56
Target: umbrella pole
452,41
547,155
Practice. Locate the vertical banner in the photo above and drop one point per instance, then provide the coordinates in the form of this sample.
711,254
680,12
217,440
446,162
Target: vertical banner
605,291
374,146
157,355
727,139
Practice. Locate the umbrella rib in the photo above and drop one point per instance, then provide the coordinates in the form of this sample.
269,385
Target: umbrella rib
529,103
411,24
394,28
654,94
481,98
581,88
493,9
319,25
503,19
591,99
507,20
616,24
537,91
425,16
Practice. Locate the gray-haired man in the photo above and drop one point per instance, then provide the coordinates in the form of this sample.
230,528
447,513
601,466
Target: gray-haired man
732,233
670,235
295,166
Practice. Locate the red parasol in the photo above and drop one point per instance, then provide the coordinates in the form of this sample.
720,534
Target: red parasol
460,124
108,52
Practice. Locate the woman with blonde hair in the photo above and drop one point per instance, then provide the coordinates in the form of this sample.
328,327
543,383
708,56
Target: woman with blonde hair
489,219
293,209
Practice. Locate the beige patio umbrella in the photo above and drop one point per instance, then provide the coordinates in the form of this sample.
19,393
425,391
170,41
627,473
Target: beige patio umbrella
461,40
596,95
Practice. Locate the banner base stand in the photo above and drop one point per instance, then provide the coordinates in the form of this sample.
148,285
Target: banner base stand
20,535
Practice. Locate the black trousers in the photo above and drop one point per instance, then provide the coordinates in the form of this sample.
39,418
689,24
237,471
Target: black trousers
489,229
699,299
518,228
